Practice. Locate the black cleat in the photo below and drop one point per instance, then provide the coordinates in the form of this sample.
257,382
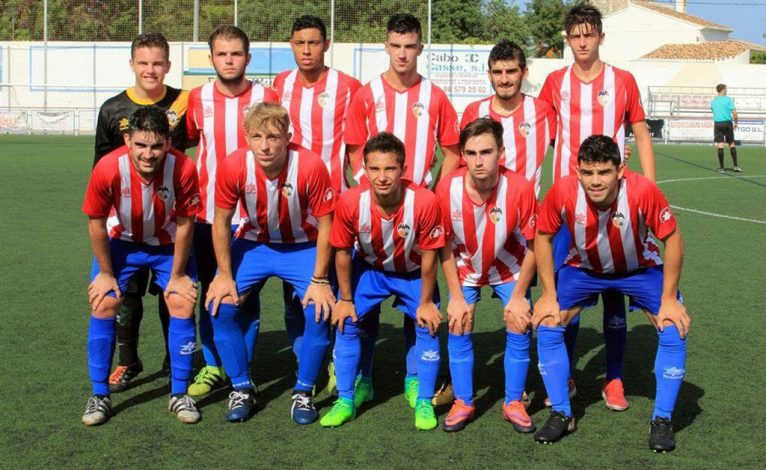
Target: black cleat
661,438
122,376
554,428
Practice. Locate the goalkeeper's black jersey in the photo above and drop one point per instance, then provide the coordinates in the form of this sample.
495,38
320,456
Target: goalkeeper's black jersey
115,112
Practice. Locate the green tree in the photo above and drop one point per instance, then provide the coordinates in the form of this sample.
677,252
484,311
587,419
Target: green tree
456,21
503,20
546,22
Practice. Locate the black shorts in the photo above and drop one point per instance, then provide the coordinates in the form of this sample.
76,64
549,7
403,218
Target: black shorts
723,131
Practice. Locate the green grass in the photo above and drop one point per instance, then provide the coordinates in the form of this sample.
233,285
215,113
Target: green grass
45,260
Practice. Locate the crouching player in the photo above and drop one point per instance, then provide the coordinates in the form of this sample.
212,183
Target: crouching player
609,212
489,213
289,200
396,227
141,201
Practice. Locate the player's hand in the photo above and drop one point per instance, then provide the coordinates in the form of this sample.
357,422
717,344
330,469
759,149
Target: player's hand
459,316
672,310
429,316
323,299
628,154
546,307
102,285
518,313
183,286
219,289
343,309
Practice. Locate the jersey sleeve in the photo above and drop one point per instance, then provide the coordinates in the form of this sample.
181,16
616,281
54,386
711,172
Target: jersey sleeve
278,84
227,181
356,121
442,195
98,196
430,228
470,114
658,215
550,119
634,110
270,95
104,138
342,235
528,209
192,129
354,85
321,196
188,201
549,218
547,91
449,130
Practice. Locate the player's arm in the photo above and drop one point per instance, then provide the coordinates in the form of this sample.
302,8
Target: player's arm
344,307
428,315
458,312
645,149
451,161
671,309
355,154
734,116
104,141
547,305
319,291
518,311
180,283
104,282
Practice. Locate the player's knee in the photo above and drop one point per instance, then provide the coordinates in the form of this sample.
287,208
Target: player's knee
108,308
179,306
510,326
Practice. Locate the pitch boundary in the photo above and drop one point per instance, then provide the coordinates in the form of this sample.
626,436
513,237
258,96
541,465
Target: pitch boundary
711,214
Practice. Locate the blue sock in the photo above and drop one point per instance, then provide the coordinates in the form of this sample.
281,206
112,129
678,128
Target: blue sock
230,342
182,342
516,364
409,347
368,333
295,322
460,350
570,338
554,367
316,339
251,323
207,343
428,358
346,356
102,335
669,370
615,333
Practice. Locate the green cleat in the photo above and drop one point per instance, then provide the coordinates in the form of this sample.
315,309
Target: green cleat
425,419
332,383
363,391
341,412
208,379
411,390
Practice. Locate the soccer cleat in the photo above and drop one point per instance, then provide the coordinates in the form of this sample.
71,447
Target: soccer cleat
97,410
341,412
572,392
459,415
554,428
208,379
363,391
515,413
425,418
738,169
302,409
613,394
445,394
721,171
411,391
123,375
184,408
332,383
241,404
661,438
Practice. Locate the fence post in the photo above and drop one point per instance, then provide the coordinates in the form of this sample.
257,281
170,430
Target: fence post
45,54
332,33
429,39
140,16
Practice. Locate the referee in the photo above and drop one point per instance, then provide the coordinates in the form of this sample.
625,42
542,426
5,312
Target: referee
724,122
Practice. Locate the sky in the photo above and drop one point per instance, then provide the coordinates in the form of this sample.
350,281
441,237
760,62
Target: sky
746,17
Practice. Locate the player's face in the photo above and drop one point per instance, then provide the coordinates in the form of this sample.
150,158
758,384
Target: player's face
506,77
384,173
269,145
403,51
147,151
585,40
229,59
308,49
482,157
601,181
150,66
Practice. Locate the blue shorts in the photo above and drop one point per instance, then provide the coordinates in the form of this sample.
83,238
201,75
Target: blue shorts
252,263
128,258
373,286
580,288
561,242
503,292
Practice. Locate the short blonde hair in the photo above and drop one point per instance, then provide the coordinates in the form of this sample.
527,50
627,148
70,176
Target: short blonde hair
267,114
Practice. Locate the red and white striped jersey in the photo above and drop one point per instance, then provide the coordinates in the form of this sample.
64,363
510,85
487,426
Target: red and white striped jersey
489,240
527,133
141,211
391,243
318,116
280,210
419,116
616,240
601,106
216,120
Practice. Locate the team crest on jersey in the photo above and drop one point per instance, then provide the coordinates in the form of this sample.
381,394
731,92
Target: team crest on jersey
418,109
496,215
603,97
525,128
163,193
251,188
323,99
403,230
618,219
172,118
457,216
328,195
581,219
436,232
207,111
665,214
125,192
124,123
194,201
287,189
365,228
532,221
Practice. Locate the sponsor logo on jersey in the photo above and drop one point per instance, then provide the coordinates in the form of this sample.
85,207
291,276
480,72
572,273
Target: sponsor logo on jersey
207,111
618,219
287,189
457,216
328,195
665,214
173,118
124,123
188,348
194,201
323,99
365,228
163,193
564,96
496,215
436,232
418,109
603,97
430,355
525,128
251,188
403,230
581,219
673,373
125,192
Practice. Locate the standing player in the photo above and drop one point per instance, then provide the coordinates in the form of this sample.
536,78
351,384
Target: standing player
590,97
289,201
489,214
396,226
141,201
609,212
215,117
723,125
150,62
526,121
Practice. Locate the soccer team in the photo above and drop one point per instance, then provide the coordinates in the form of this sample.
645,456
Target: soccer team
270,197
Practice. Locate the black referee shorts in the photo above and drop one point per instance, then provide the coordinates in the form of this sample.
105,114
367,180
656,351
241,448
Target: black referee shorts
723,131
